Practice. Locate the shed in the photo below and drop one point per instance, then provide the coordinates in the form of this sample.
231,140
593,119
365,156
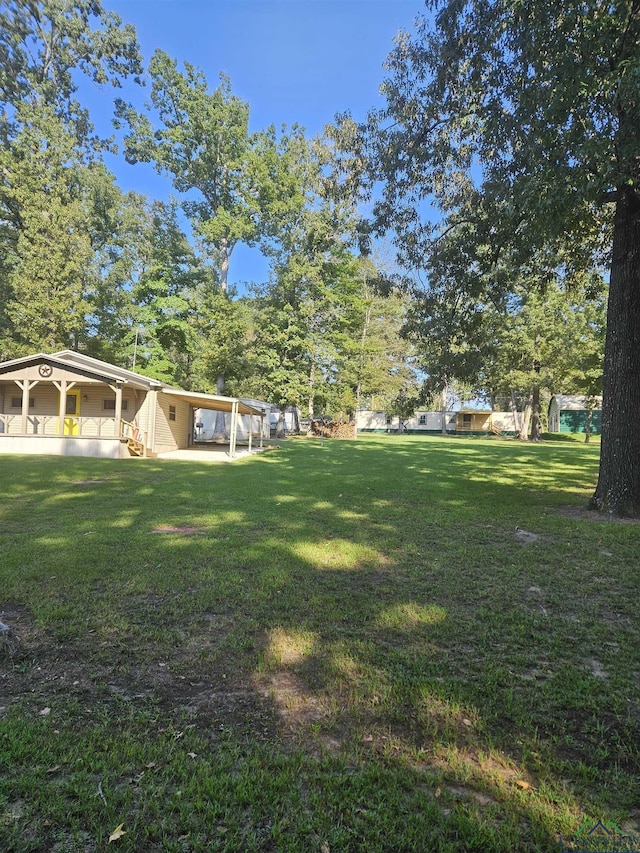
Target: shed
570,413
66,403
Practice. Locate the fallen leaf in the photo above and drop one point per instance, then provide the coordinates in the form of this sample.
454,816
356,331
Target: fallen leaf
54,769
117,833
522,784
324,848
45,712
192,754
466,722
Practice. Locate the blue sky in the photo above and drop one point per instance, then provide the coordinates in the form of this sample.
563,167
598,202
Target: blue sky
291,60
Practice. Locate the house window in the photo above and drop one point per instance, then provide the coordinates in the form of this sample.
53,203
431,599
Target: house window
172,413
16,402
389,419
110,405
422,420
466,420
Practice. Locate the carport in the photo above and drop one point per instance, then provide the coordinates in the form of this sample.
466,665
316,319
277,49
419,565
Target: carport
233,405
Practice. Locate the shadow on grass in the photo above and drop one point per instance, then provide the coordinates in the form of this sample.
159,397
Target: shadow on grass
366,612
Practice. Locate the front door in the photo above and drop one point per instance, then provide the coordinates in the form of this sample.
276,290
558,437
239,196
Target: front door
71,424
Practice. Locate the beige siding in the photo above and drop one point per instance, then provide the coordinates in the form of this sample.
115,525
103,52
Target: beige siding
144,412
171,434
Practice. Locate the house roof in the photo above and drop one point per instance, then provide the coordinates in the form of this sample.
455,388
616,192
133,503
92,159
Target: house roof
573,401
110,372
93,366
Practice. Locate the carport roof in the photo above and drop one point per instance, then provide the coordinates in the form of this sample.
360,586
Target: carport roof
213,401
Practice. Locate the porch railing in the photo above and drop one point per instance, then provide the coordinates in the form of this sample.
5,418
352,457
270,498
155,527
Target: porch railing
49,425
136,439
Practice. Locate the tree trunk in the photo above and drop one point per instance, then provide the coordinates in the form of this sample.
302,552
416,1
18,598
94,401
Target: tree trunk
526,419
618,488
312,379
516,415
535,414
443,408
587,429
225,256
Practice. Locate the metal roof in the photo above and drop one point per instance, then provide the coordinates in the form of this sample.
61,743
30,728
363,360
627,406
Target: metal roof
213,401
110,372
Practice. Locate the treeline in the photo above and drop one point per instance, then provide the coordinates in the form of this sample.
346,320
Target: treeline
144,283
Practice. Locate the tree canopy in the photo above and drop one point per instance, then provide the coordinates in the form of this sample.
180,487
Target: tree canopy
519,122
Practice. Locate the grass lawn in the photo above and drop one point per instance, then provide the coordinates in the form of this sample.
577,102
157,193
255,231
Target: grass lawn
390,644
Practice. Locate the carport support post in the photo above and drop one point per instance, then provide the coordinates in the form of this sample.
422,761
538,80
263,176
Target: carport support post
250,430
234,429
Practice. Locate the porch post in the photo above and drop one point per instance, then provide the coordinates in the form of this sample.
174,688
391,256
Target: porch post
63,406
26,387
250,431
118,410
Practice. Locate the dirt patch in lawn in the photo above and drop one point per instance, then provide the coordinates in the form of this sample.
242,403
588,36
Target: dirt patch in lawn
39,672
582,513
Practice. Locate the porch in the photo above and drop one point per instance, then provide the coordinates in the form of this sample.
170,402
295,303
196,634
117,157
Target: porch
71,436
50,425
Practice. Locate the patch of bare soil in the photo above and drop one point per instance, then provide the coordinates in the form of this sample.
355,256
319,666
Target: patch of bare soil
582,513
40,671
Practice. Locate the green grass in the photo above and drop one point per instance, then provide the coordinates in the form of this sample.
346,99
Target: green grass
394,644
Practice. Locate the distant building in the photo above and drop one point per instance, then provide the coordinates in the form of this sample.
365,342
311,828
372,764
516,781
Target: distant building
471,421
570,413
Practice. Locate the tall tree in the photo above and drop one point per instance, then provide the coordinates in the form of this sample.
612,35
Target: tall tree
201,140
202,143
540,103
164,299
50,248
313,276
48,155
376,360
43,46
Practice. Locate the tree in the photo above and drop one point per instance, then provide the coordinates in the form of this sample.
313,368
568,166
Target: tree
537,104
202,142
222,328
43,46
117,225
50,249
303,311
375,358
233,179
49,163
544,343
